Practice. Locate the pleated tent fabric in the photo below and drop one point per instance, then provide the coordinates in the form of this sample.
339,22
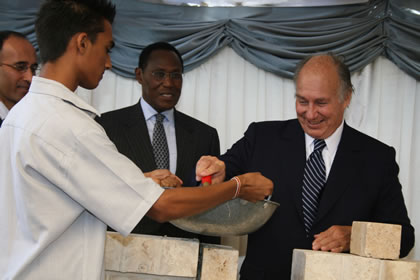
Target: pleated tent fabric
272,38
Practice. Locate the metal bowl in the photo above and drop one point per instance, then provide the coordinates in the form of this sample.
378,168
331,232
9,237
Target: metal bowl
235,217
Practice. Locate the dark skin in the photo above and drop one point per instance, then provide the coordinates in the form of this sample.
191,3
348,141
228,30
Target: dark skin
161,95
165,178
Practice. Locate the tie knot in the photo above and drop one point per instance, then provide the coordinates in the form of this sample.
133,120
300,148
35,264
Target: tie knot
159,117
319,144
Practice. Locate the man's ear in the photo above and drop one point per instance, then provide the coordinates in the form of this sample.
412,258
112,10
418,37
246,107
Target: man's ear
348,98
139,75
82,42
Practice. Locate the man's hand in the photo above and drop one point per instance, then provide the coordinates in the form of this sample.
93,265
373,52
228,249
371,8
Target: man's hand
254,186
209,165
164,178
335,239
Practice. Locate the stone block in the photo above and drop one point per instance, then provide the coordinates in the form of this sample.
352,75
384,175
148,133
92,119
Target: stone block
356,267
155,255
375,240
400,270
113,275
317,265
219,262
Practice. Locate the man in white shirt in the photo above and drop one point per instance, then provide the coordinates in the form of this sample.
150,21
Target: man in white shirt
17,66
61,178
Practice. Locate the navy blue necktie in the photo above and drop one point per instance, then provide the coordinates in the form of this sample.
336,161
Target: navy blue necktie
160,145
314,179
1,121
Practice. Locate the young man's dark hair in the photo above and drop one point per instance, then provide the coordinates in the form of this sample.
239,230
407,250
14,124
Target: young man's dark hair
59,20
145,54
61,179
5,34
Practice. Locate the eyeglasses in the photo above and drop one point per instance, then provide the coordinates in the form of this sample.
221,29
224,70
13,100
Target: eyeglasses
160,76
22,67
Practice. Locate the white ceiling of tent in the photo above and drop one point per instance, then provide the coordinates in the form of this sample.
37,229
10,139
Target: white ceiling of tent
258,3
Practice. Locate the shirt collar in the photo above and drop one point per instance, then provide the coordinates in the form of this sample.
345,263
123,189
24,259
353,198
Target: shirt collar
149,111
331,142
45,86
3,111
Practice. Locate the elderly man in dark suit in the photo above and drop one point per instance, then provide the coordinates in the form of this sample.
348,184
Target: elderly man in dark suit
326,174
133,130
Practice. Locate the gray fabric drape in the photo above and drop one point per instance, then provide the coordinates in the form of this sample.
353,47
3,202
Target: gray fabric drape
403,33
274,39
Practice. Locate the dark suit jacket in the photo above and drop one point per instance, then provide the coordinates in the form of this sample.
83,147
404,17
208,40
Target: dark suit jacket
362,185
127,128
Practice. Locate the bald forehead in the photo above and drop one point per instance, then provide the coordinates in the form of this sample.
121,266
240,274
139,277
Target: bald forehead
323,67
321,63
17,46
13,39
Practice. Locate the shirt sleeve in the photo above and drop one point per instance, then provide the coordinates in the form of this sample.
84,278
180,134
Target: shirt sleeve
107,183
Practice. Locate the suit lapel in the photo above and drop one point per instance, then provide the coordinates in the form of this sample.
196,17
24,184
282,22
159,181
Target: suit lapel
294,150
139,140
343,169
184,143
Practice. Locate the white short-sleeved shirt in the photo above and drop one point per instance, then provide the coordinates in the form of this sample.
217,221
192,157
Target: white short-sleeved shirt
61,181
3,111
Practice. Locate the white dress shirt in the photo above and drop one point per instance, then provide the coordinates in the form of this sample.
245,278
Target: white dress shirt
169,126
328,153
3,111
61,181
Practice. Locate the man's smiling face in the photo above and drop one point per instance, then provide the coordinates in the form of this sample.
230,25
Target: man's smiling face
319,108
161,94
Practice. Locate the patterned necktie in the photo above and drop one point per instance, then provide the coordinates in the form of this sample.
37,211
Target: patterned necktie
160,145
314,179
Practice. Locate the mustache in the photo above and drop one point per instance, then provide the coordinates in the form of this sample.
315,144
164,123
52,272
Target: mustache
23,84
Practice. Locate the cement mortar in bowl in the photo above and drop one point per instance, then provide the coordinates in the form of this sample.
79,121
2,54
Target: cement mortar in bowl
234,217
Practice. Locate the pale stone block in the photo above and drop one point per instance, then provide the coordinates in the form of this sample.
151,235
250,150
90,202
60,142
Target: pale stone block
375,240
316,265
151,255
113,275
400,270
356,267
219,263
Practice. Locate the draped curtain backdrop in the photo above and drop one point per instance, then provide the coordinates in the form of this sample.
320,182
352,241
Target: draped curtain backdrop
229,87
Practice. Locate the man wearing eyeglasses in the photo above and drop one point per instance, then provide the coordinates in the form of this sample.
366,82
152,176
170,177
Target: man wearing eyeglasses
132,130
17,66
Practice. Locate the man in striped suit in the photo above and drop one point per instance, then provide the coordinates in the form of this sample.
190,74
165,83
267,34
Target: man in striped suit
131,129
326,174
